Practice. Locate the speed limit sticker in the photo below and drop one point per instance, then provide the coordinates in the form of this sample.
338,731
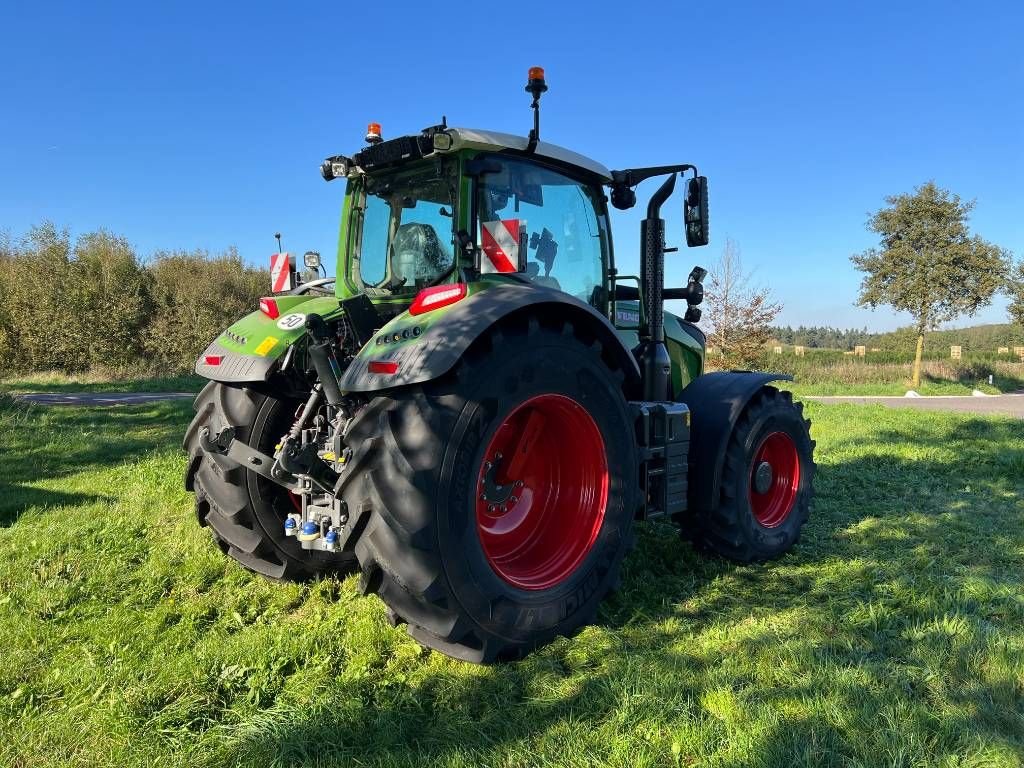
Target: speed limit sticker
291,322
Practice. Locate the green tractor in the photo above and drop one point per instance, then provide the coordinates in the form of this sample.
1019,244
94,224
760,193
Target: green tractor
480,409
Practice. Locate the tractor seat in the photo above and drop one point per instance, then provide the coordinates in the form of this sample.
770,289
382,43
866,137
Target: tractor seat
417,253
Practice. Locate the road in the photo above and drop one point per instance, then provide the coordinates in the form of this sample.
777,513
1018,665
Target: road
1005,405
102,398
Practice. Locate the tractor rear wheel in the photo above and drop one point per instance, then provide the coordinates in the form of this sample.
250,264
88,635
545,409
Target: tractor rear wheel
244,510
766,486
500,501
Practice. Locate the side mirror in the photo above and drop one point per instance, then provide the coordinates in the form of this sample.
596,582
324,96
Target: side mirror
695,212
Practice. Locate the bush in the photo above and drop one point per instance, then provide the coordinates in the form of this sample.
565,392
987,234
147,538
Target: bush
93,304
195,297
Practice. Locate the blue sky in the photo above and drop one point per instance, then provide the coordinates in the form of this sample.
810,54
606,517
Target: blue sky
202,125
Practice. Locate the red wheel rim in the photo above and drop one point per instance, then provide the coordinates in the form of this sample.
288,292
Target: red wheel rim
541,492
774,479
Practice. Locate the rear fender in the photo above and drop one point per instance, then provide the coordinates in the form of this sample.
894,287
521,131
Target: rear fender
716,401
427,346
250,350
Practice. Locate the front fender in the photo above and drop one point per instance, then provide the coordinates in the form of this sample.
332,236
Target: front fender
250,349
716,401
427,346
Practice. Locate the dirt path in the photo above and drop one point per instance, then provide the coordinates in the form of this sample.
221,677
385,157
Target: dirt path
102,398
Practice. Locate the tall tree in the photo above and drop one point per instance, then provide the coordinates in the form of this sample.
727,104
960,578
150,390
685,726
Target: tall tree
1015,288
740,313
928,263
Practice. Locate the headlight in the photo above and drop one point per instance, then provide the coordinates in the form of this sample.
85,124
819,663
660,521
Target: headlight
335,167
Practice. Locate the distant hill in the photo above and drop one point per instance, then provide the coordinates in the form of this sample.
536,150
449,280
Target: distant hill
975,338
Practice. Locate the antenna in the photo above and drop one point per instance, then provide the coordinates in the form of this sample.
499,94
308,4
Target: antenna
279,248
535,86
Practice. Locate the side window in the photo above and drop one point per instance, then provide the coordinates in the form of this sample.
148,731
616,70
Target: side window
373,253
537,221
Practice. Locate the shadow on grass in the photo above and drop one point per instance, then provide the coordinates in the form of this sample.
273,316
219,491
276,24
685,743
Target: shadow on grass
40,444
879,640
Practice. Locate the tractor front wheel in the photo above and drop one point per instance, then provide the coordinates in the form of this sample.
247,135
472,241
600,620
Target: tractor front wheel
766,485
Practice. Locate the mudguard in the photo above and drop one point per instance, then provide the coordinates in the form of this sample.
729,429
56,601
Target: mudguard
716,401
250,349
426,346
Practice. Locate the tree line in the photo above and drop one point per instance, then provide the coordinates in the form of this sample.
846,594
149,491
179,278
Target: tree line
92,303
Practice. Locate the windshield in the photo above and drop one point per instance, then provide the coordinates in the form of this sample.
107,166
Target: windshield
406,233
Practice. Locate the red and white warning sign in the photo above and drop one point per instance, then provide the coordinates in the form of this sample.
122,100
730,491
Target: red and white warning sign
280,273
500,240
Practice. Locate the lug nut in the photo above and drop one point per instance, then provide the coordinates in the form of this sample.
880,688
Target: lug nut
514,499
491,508
519,483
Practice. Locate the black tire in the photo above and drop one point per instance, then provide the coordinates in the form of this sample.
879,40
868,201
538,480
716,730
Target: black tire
415,505
733,530
244,510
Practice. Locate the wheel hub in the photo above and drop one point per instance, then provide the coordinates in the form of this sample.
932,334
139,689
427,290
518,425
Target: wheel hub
498,495
763,476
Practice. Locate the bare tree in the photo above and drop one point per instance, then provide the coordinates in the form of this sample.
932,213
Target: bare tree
741,314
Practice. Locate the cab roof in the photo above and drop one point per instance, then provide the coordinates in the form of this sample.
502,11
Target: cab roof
475,138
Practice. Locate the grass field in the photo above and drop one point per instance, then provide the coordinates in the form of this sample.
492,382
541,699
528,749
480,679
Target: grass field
892,636
825,373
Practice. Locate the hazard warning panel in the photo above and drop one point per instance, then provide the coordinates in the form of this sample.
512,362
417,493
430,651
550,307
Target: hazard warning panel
501,245
280,274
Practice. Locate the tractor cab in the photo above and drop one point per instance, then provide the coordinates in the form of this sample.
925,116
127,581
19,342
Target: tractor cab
455,205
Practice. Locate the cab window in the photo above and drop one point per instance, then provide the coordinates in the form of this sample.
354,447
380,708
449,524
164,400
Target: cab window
545,224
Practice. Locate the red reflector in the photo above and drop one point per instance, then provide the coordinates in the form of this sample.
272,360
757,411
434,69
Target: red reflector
213,359
383,366
269,308
439,296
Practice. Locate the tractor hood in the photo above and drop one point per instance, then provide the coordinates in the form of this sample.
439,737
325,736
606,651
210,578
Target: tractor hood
249,349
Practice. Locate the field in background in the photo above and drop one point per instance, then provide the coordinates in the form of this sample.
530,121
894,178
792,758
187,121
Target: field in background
830,372
892,635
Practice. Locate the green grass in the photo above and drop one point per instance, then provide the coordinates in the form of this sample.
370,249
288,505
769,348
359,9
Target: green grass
892,636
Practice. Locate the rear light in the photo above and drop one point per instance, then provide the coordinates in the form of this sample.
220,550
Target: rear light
269,308
213,359
383,366
439,296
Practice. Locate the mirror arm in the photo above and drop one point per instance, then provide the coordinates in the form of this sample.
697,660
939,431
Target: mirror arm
633,176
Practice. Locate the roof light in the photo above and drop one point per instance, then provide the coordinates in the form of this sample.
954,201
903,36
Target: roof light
213,359
335,167
269,308
436,297
387,367
536,73
373,133
442,141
